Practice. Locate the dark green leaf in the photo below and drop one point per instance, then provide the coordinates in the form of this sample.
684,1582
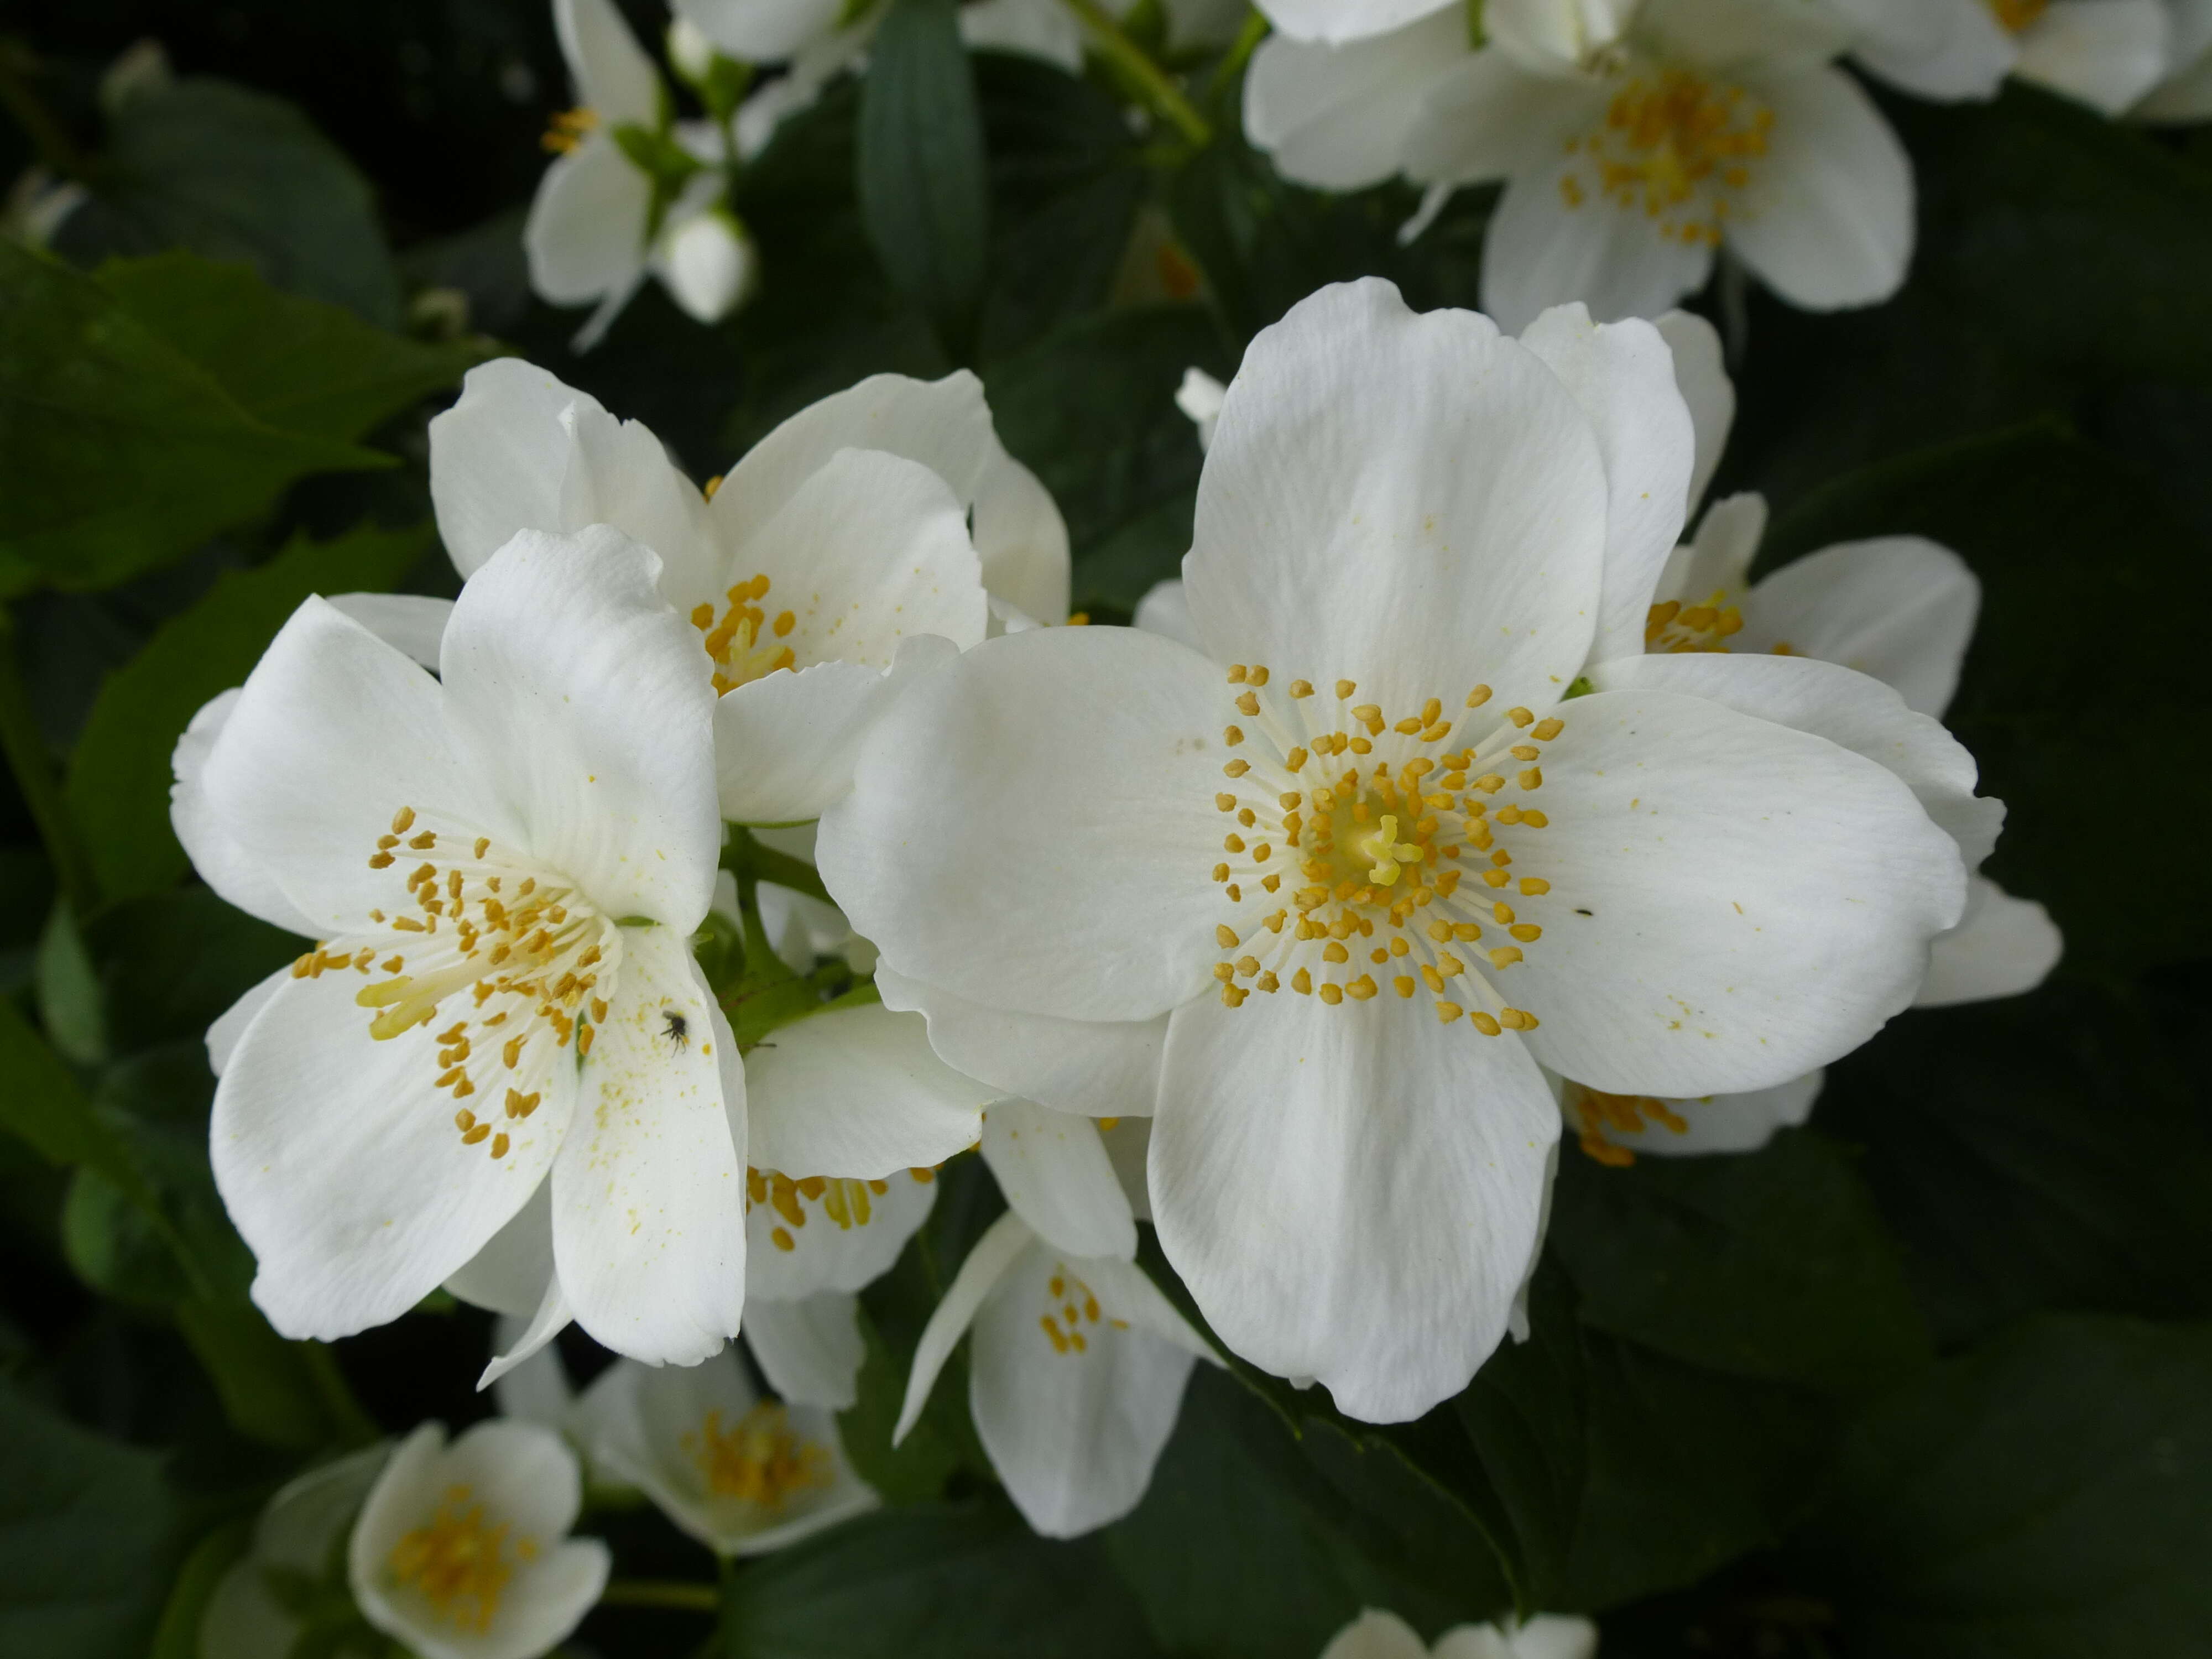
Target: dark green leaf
2049,1496
117,452
922,188
934,1583
232,173
119,780
300,365
87,1532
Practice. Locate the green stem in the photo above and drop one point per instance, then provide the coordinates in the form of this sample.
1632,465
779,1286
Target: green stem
745,856
34,767
1239,53
661,1593
47,135
1125,55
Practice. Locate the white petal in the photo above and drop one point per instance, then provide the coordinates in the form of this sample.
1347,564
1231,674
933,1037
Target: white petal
551,1318
1408,501
1703,378
858,1092
1346,19
412,621
1165,611
1734,36
1377,1634
1545,1636
1553,36
838,1243
341,1167
1128,1147
1949,51
238,878
2186,93
1711,1123
1732,902
763,31
786,745
1854,710
872,548
945,426
1074,1431
583,702
707,262
2002,947
509,1275
536,1390
1826,221
1901,608
334,732
993,1255
230,1025
2105,52
312,1512
585,238
1718,560
521,451
1052,1169
1540,251
1622,375
1098,1068
809,1350
1353,1199
1337,117
648,1220
614,77
1486,118
1034,826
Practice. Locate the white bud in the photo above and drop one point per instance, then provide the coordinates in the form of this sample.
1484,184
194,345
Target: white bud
708,263
1200,397
690,51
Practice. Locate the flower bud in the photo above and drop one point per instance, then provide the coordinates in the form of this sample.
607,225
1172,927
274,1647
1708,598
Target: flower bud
709,264
689,52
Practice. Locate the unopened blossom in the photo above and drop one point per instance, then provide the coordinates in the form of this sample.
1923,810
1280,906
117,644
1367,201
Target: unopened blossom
1862,644
1077,1363
1634,141
462,1550
255,1611
742,1474
1377,1634
2105,53
838,549
501,868
1332,892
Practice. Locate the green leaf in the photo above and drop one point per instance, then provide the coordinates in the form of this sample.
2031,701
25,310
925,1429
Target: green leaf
302,365
117,452
936,1581
2021,507
1772,1266
1122,461
1250,1542
88,1533
922,189
2042,1498
232,173
117,787
178,1637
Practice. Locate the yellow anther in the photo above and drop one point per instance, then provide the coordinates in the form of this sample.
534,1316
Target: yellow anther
1236,674
1225,936
1438,732
1333,951
1495,878
1501,913
1403,985
1248,818
1479,697
1489,783
1296,760
403,820
1361,988
1345,688
1225,802
1526,932
1524,751
1519,715
1246,703
1257,675
1246,966
1408,725
1221,872
1232,842
1504,956
1301,688
1532,778
1332,994
1546,730
1288,800
1534,887
1232,735
1233,997
1483,1023
1302,982
1448,1012
1532,818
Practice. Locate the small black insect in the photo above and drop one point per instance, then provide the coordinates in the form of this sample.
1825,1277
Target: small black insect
1582,912
677,1029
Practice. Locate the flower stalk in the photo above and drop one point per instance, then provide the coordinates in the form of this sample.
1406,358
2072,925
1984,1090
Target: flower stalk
1145,76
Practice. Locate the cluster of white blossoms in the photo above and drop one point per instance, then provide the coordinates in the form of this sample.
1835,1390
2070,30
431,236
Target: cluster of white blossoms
1638,140
1450,800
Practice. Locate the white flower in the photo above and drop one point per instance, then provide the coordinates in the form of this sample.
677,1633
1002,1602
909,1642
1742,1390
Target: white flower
741,1475
1335,21
1632,142
503,868
1379,1635
2185,93
462,1550
709,264
1278,908
294,1538
1076,1368
2106,53
840,537
1898,609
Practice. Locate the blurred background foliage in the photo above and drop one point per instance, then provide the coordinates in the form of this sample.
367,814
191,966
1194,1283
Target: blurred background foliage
1930,1377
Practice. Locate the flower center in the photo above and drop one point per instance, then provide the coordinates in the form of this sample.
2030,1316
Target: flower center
760,1459
846,1203
1675,145
1393,871
1602,1115
528,950
1672,628
569,128
1070,1308
2019,15
733,639
460,1562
